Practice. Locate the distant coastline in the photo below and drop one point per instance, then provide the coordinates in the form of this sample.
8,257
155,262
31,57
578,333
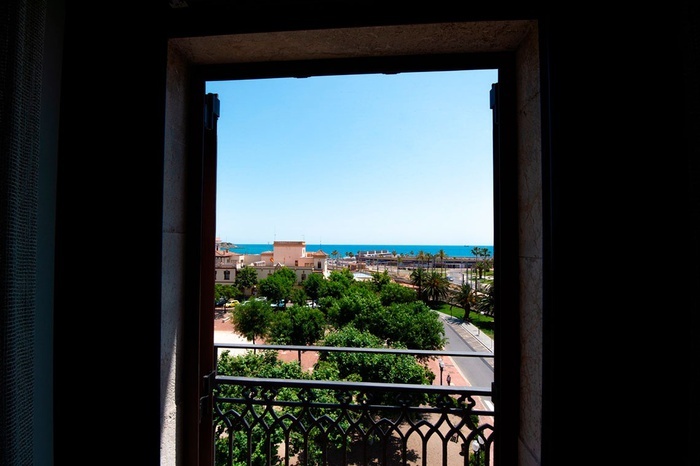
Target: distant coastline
342,249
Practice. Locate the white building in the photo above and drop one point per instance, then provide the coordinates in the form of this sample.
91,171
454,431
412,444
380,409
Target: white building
290,254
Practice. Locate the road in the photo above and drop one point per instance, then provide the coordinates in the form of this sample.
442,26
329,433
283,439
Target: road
477,371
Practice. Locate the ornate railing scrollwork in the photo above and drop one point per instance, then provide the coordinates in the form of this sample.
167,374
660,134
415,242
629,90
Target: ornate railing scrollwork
317,422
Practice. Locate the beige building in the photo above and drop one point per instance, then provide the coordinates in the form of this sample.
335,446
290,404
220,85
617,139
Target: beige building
290,254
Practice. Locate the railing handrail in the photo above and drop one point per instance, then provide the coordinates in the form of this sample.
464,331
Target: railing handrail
347,349
345,385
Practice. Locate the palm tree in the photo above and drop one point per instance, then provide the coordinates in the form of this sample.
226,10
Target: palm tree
436,286
441,255
464,298
486,301
431,260
418,277
334,255
421,258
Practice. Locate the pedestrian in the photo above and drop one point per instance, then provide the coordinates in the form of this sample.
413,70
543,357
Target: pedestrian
449,379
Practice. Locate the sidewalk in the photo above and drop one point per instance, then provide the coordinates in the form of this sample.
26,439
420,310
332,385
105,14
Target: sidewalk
479,335
476,335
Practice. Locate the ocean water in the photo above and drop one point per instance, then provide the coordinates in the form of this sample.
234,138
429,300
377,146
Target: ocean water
461,250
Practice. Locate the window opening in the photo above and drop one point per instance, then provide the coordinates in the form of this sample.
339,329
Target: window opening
403,181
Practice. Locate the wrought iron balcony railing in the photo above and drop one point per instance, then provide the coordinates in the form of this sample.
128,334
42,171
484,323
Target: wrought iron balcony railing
276,421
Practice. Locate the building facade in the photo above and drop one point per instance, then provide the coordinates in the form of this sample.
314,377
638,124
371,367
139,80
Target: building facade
290,254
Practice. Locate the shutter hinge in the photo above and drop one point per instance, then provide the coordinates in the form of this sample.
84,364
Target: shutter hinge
212,107
208,389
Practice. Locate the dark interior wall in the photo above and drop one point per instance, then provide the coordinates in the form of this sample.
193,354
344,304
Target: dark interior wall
108,237
620,182
620,195
624,230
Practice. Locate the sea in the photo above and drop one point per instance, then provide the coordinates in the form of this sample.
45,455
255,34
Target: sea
450,250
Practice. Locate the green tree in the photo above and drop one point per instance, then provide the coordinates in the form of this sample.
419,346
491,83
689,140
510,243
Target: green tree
312,286
380,280
278,285
403,325
343,311
480,264
486,301
430,259
416,326
436,286
464,298
226,292
297,325
337,284
299,296
395,293
252,318
421,258
441,256
418,278
389,368
246,279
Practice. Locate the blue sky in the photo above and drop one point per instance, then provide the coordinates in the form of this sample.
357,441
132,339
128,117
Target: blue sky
361,159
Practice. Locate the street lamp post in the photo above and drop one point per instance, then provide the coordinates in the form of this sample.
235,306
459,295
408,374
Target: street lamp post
442,367
477,446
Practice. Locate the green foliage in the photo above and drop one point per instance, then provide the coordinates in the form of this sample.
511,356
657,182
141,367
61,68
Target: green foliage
435,286
380,280
395,293
246,278
354,302
418,278
312,285
234,441
265,364
298,296
297,325
416,326
226,292
464,297
388,368
255,364
278,285
485,302
343,277
252,318
401,325
286,273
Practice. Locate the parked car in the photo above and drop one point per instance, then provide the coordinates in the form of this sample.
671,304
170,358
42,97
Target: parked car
231,303
219,302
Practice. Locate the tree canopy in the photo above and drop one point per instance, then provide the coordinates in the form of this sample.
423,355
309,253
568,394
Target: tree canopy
246,279
252,319
278,285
